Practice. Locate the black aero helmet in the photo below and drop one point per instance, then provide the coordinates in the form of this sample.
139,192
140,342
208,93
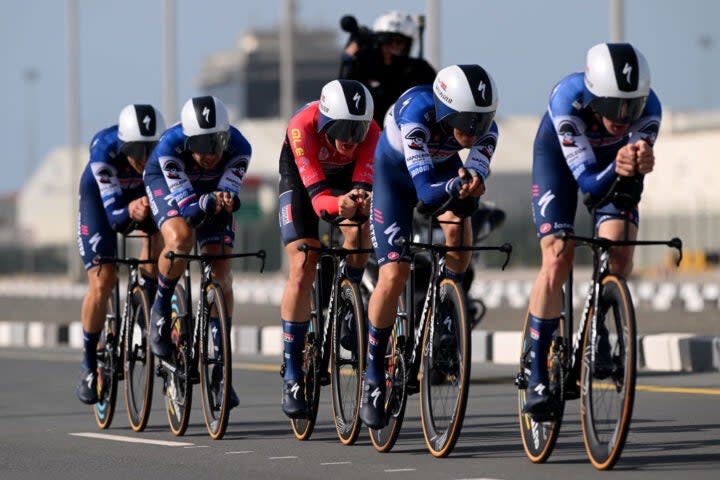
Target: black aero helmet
617,80
346,110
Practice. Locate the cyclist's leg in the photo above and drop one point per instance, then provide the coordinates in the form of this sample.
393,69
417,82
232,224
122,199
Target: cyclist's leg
298,225
151,248
554,203
95,237
609,226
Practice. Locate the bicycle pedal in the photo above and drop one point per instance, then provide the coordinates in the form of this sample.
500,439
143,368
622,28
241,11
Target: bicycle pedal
521,381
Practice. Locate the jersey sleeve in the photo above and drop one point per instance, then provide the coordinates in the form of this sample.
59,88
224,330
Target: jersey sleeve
105,174
237,165
181,189
481,153
419,163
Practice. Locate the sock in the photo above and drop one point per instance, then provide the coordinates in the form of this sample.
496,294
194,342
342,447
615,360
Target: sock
90,341
150,285
377,346
293,346
163,297
455,277
354,274
540,338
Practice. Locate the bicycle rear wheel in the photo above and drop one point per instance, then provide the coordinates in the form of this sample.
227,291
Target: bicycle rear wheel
303,427
139,362
108,366
445,370
607,376
348,365
178,383
383,439
539,437
216,364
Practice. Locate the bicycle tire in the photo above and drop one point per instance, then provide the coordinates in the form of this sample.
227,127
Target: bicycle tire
347,366
539,437
303,427
216,365
139,361
383,439
108,365
605,418
443,401
178,385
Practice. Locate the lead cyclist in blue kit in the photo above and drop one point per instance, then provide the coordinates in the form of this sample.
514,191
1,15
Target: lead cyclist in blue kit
600,124
112,198
417,159
193,179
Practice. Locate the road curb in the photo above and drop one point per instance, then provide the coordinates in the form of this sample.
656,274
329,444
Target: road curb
669,352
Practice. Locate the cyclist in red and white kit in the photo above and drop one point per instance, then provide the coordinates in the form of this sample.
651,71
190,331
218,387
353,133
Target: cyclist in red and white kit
326,164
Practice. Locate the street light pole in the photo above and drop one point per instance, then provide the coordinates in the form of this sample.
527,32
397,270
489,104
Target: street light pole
30,75
73,259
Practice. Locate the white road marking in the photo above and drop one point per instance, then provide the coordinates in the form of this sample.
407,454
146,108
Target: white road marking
121,438
241,452
336,463
289,457
395,470
198,446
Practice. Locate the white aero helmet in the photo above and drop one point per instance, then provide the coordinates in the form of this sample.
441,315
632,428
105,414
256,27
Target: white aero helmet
346,110
394,23
617,79
139,129
466,98
206,124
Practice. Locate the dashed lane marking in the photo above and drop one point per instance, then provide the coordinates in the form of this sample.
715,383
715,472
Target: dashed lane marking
121,438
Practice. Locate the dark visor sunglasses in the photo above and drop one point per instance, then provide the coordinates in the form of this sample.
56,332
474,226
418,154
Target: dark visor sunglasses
139,151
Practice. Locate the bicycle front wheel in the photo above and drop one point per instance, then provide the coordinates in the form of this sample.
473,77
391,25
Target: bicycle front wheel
539,437
303,427
108,366
445,370
348,361
177,382
383,439
607,376
139,361
215,363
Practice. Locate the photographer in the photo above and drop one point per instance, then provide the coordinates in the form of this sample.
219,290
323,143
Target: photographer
380,59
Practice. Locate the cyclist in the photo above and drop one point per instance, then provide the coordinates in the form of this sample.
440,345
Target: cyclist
385,66
112,199
326,163
600,124
193,180
417,159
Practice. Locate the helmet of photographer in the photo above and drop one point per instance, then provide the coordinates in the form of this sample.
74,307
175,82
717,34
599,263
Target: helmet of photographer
466,98
395,25
346,110
617,80
206,125
139,129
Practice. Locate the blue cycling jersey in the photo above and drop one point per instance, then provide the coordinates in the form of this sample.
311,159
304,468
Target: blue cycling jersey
172,172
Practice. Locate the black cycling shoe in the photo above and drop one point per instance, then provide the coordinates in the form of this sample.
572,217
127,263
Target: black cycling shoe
293,398
539,403
87,387
233,399
160,341
372,404
603,366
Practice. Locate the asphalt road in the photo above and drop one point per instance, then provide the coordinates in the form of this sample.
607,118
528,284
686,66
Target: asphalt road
46,433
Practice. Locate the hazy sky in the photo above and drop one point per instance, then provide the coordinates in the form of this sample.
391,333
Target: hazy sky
526,44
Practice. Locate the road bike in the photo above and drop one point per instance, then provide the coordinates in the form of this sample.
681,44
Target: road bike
429,352
200,355
123,351
598,365
336,300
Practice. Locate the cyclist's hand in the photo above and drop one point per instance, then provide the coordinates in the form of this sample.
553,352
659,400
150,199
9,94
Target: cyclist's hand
362,201
474,187
223,201
645,157
626,161
139,209
346,205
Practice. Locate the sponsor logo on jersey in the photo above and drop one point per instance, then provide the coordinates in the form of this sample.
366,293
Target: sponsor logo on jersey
544,202
487,146
172,170
393,256
649,132
545,227
172,213
567,132
417,139
104,175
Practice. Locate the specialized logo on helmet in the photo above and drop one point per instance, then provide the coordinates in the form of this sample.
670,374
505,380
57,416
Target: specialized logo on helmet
204,111
627,70
146,121
356,99
145,115
206,114
481,89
